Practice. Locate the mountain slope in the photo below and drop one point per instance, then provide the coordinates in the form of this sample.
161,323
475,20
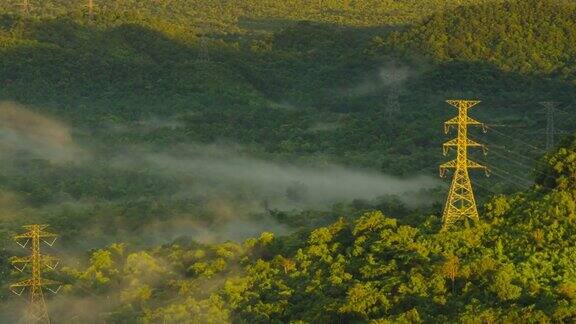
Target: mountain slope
516,265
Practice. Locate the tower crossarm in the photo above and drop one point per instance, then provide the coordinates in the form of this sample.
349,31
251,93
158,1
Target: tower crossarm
469,143
454,165
49,282
24,236
20,263
49,261
446,166
454,122
40,233
19,287
463,103
19,260
46,261
23,283
30,282
44,234
475,165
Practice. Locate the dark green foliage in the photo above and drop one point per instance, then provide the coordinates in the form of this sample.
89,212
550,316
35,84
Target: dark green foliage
303,82
559,172
516,265
534,36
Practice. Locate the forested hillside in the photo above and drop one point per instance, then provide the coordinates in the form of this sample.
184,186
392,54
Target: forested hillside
228,16
209,122
516,266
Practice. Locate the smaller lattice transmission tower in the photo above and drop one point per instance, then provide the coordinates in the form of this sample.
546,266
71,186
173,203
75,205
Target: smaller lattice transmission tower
461,203
36,312
551,131
394,78
392,101
203,49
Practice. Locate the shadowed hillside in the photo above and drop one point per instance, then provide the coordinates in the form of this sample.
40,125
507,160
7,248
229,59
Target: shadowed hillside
157,137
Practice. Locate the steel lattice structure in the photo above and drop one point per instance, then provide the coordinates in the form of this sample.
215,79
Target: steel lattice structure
461,203
37,311
551,132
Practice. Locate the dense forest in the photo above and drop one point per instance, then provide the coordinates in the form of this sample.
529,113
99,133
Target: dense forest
241,161
517,265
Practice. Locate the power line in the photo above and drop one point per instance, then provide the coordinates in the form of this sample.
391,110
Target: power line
426,168
507,180
532,168
532,160
515,139
513,160
526,181
487,189
563,111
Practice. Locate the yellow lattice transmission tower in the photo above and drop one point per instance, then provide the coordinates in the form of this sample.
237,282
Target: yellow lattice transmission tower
461,203
25,7
37,312
90,8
